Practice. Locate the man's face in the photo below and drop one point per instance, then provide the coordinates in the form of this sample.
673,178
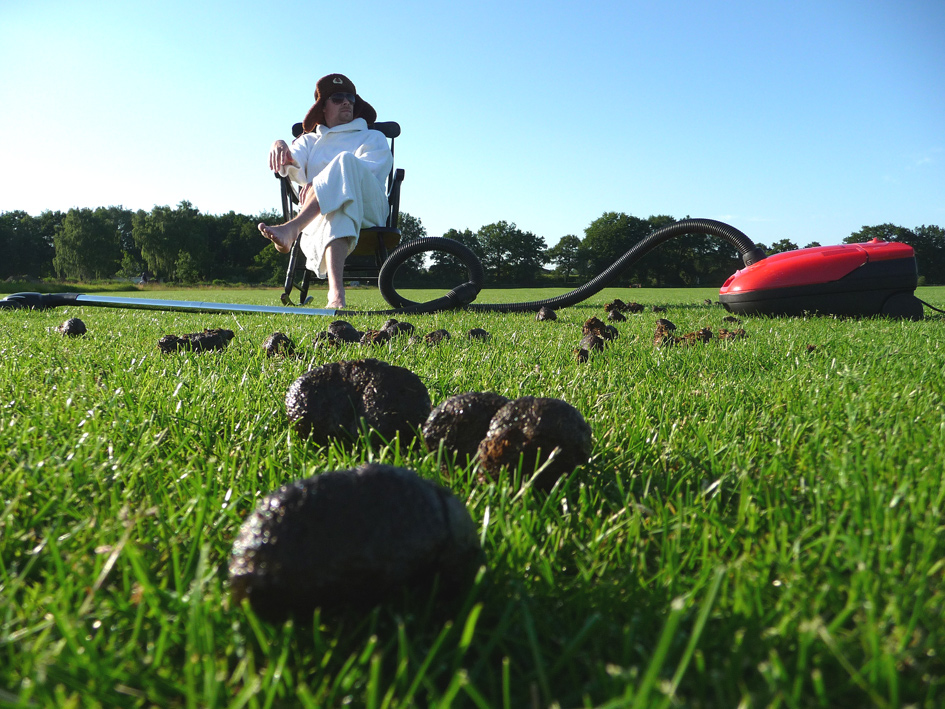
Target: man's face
339,109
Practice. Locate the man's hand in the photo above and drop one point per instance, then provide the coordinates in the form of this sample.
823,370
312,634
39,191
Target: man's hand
280,156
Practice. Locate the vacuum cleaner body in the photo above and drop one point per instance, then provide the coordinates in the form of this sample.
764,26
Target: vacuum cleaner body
872,278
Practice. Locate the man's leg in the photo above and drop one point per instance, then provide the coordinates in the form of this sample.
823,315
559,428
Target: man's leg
335,254
284,235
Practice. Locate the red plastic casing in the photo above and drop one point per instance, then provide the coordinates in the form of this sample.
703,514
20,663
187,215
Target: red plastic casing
819,264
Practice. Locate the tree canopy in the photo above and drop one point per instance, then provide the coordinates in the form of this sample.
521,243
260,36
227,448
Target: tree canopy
181,244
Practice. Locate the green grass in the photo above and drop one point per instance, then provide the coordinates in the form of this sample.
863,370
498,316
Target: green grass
760,524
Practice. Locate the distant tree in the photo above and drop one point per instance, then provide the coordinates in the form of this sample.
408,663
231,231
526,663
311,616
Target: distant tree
565,255
608,238
675,262
782,245
510,254
697,259
411,228
930,253
185,271
233,241
883,232
269,266
445,268
87,246
812,245
130,263
164,233
26,243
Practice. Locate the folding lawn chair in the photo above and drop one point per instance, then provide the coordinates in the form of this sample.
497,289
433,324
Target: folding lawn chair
374,243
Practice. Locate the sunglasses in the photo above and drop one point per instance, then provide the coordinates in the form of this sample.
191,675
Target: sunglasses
340,98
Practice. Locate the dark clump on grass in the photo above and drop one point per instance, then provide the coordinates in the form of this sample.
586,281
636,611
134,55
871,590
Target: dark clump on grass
326,339
206,341
534,429
436,337
616,316
460,423
595,334
546,314
396,327
665,333
594,326
329,402
591,342
73,327
352,539
618,306
702,335
345,331
732,334
278,344
615,306
477,333
375,337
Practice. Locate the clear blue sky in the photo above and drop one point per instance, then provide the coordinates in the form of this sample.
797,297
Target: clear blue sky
802,120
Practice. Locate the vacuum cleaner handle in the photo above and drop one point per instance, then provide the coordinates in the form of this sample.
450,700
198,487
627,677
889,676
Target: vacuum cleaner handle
38,301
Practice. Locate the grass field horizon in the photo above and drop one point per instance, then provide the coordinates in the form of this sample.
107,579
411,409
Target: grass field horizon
760,523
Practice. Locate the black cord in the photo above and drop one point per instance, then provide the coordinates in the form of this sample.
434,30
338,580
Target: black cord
927,305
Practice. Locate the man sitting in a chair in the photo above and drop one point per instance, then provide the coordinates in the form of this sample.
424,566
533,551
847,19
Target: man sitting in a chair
341,165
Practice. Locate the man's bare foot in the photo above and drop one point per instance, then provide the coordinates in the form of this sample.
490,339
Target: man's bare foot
336,301
282,237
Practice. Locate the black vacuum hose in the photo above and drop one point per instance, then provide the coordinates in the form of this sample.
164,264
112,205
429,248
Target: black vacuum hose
463,295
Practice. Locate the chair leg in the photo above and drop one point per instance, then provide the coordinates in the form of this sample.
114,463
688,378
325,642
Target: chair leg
303,289
294,256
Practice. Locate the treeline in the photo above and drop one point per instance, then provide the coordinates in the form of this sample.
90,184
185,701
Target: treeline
182,245
167,244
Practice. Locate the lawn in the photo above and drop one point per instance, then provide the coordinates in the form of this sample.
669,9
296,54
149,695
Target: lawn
760,523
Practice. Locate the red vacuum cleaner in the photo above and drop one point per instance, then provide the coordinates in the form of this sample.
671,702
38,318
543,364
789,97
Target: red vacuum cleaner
872,278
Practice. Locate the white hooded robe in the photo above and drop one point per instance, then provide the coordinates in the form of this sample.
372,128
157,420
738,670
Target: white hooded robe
347,166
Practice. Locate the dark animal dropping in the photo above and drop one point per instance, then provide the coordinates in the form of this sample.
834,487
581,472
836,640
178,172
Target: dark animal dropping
396,327
345,331
278,344
533,428
206,341
73,327
330,402
436,337
352,539
461,422
375,337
